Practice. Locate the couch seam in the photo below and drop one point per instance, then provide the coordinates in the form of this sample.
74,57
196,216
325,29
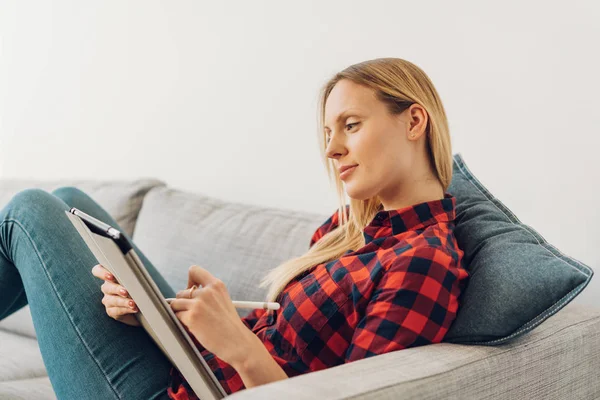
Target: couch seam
141,193
26,379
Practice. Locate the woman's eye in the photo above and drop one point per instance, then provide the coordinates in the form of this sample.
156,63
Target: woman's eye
327,137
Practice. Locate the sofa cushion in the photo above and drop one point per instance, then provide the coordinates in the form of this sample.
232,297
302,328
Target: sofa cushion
20,357
237,243
26,389
559,360
517,279
122,200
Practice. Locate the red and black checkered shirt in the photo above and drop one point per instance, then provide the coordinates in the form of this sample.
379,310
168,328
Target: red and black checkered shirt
400,290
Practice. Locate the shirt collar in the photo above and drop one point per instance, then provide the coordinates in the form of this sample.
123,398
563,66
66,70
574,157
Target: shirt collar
393,222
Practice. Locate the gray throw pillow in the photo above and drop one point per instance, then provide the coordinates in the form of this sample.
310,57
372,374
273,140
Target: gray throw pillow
517,279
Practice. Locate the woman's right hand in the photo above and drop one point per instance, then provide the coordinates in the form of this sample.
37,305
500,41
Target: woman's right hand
117,303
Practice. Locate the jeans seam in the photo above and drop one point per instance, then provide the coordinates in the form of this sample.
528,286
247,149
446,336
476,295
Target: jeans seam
61,302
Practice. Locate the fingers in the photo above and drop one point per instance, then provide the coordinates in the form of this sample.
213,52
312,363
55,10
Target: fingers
181,304
114,288
118,301
199,276
116,312
117,306
100,272
109,287
116,298
186,293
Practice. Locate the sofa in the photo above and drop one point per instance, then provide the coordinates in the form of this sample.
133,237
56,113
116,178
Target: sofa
559,359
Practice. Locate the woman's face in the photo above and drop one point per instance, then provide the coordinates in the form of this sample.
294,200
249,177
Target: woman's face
379,144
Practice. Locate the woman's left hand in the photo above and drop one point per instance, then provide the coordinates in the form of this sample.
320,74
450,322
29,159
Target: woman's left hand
211,317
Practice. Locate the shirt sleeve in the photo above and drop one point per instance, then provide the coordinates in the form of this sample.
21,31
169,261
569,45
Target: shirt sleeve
330,224
413,304
250,319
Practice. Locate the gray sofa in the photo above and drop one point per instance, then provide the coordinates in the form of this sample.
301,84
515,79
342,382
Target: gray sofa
557,360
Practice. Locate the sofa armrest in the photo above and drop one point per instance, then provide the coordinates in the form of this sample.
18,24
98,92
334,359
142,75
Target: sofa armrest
558,359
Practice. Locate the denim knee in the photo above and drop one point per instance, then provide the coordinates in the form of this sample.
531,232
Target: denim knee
69,194
32,203
31,196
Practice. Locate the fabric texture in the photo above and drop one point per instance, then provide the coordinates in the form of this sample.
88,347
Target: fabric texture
400,290
517,280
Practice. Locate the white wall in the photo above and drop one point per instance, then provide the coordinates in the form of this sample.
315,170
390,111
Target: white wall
220,97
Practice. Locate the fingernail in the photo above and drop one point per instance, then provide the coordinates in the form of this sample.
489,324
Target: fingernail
123,292
131,304
109,276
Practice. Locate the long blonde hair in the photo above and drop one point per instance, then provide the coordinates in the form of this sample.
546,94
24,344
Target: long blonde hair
398,84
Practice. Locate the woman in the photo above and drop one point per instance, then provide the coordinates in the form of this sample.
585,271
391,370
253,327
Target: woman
382,273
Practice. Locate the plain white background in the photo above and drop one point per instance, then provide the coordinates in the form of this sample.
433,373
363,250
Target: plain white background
220,97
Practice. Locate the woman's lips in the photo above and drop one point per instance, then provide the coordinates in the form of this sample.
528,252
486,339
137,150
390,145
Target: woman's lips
347,172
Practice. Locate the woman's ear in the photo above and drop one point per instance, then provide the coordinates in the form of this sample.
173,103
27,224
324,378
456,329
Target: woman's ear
417,121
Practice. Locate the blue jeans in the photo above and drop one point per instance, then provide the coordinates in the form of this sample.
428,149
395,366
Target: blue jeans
46,264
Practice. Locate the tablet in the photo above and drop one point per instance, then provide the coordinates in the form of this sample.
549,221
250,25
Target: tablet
114,251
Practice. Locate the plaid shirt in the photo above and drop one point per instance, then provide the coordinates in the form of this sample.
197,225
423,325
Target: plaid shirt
400,290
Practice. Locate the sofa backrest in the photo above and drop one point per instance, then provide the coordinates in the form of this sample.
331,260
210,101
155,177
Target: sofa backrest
238,243
122,199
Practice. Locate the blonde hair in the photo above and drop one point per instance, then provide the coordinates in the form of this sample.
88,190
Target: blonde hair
398,84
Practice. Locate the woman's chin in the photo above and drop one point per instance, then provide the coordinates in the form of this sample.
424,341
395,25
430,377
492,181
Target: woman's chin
357,193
